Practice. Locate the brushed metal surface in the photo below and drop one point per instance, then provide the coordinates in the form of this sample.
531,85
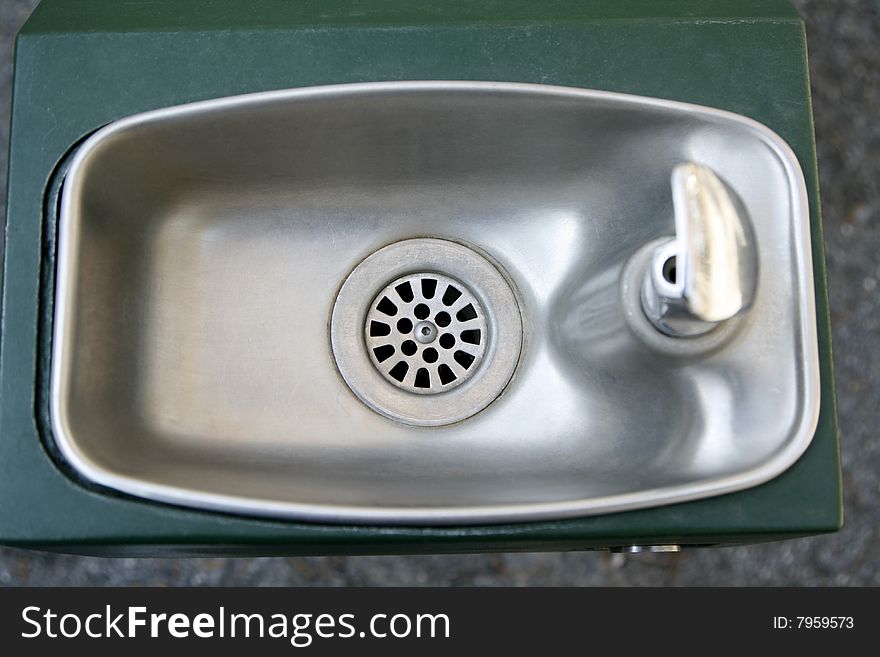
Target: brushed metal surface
201,249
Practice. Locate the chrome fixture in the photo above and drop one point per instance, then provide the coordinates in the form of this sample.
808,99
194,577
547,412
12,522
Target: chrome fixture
708,272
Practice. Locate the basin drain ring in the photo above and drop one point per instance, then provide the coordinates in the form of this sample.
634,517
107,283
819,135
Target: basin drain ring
426,331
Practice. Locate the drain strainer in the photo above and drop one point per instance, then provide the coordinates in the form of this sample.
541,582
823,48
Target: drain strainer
426,332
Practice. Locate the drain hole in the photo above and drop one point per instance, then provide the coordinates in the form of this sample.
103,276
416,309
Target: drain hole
451,295
405,291
446,374
466,314
427,332
423,379
429,287
463,358
669,270
387,306
384,352
378,329
471,336
398,372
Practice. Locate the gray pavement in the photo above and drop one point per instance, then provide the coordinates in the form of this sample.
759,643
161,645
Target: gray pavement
844,41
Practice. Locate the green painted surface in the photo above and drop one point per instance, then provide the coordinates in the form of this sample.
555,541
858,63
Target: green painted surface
77,69
182,15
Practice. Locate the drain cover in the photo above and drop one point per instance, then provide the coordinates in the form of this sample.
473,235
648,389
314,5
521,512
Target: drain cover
426,331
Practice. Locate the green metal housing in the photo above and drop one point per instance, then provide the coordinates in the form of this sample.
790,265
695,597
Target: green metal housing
80,65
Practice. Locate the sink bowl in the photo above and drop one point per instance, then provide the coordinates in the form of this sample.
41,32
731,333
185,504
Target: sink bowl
221,266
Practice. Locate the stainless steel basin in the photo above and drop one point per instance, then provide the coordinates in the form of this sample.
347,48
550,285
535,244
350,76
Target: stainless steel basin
202,250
